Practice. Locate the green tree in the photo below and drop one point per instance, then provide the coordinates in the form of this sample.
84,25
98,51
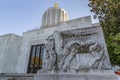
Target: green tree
108,13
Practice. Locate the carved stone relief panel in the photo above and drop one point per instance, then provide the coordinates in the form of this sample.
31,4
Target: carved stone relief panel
75,50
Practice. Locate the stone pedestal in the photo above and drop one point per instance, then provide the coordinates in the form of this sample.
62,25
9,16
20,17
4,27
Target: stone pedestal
77,76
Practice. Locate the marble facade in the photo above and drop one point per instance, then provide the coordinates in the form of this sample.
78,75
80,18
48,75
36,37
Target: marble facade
71,47
34,37
39,37
76,54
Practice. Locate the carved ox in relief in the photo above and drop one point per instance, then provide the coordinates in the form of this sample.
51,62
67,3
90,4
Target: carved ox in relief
82,56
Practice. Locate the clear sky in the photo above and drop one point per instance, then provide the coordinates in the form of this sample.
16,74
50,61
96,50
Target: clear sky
18,16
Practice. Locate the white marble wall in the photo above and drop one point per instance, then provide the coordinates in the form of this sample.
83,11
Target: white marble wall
9,51
3,43
38,37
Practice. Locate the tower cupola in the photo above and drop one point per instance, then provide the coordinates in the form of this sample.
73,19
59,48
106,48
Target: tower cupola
53,16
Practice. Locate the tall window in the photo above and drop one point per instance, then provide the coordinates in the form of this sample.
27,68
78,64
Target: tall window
36,57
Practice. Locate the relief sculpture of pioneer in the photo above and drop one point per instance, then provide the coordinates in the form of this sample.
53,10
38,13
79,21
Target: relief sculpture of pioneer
74,51
50,56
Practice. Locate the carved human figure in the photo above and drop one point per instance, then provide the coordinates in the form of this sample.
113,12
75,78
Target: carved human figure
97,52
99,60
50,54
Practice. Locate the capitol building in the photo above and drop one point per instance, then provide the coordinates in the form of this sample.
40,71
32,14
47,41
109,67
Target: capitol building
24,54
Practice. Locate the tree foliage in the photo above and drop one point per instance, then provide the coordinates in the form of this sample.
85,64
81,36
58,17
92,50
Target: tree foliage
108,13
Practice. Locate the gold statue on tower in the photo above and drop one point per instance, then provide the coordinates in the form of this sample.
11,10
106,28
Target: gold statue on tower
56,5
